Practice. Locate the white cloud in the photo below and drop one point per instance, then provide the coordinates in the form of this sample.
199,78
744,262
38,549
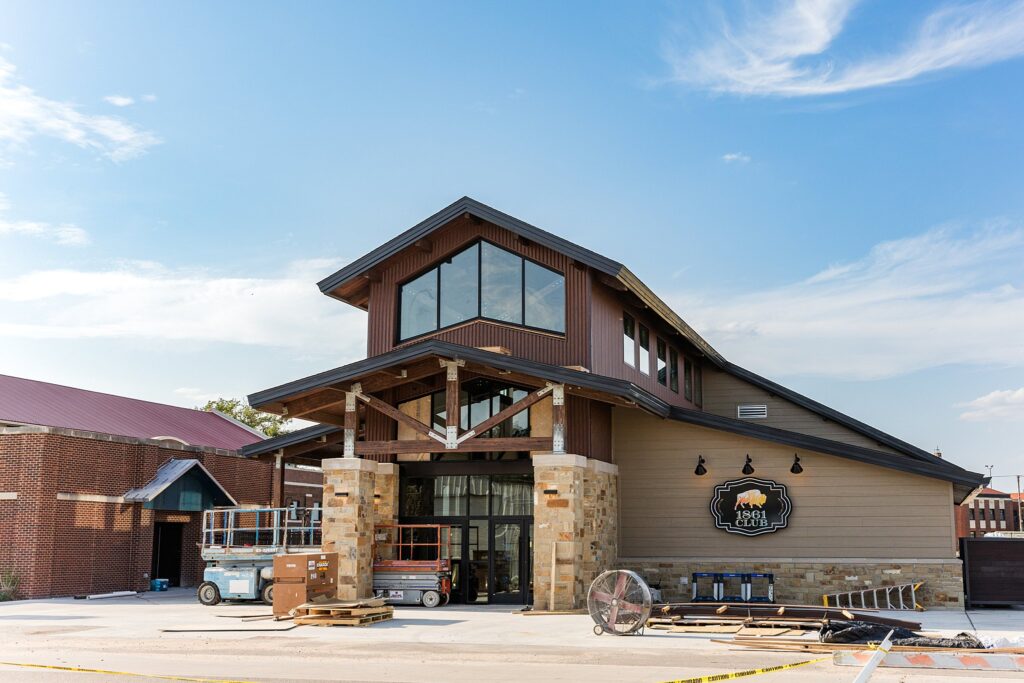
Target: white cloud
786,51
64,234
946,296
25,114
120,100
736,158
998,405
148,301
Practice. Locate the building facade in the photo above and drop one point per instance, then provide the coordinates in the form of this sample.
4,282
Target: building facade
987,511
101,493
546,404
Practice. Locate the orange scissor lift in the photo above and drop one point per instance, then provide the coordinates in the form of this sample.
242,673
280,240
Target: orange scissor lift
412,564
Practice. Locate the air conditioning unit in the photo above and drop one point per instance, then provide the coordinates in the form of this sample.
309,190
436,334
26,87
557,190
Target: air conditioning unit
751,411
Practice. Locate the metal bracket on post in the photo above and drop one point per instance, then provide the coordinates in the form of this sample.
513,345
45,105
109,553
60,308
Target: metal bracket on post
350,420
451,430
558,421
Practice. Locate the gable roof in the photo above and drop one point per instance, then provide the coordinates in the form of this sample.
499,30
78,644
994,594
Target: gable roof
466,205
31,402
170,472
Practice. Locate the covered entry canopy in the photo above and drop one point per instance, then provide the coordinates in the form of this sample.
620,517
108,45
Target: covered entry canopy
321,398
183,485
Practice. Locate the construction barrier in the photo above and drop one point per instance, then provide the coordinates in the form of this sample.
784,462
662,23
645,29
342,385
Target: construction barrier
119,673
963,661
749,672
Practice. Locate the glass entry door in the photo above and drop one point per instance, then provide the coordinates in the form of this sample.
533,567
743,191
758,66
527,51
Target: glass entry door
510,567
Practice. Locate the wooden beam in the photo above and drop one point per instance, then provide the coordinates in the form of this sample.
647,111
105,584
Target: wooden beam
393,377
318,401
528,443
324,417
316,444
451,401
398,416
505,414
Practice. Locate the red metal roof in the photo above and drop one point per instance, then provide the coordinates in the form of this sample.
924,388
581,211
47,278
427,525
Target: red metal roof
990,492
27,401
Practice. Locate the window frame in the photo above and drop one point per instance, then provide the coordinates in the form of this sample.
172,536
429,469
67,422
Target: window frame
632,339
641,332
673,370
687,378
661,356
436,266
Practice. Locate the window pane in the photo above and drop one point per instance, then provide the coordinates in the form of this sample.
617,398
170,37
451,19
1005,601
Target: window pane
501,295
673,370
662,363
545,298
687,379
449,495
512,494
628,339
478,487
419,305
459,287
645,350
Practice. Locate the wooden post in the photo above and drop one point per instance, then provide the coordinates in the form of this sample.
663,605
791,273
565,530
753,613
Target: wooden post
351,421
451,402
279,465
558,419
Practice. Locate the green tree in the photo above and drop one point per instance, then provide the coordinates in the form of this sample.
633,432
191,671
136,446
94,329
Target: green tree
271,425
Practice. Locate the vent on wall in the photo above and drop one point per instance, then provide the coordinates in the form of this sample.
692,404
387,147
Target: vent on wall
751,411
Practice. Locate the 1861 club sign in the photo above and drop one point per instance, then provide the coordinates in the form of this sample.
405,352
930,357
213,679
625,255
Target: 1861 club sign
750,506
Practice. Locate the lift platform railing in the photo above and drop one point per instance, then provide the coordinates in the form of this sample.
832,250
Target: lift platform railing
228,529
412,547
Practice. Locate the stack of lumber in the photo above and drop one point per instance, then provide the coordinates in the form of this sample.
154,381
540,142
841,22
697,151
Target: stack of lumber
799,645
342,612
757,620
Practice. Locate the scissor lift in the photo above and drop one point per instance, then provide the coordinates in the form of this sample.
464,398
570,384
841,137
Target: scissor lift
412,564
239,545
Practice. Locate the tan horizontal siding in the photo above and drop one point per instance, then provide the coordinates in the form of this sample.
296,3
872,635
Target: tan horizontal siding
723,392
841,508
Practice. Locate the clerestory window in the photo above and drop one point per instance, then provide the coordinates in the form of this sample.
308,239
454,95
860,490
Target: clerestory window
482,281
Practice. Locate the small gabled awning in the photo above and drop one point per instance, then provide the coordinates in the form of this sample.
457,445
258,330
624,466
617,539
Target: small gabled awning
197,488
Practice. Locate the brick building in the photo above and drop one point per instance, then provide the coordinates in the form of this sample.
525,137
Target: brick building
990,510
82,506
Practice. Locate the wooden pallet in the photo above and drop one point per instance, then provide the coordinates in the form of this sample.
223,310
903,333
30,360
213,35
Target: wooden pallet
343,612
330,620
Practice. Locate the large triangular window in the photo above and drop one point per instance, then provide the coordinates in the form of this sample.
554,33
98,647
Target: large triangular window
482,281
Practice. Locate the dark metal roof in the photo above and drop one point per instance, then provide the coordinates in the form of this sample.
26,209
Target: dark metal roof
942,469
170,472
831,414
453,211
436,347
289,439
30,402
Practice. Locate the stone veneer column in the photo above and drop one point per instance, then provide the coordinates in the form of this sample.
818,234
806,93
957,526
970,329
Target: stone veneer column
348,523
385,494
601,517
558,530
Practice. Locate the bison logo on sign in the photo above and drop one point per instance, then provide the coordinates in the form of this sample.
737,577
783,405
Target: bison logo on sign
751,506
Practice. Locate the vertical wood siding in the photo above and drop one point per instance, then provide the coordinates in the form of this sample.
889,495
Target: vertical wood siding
569,349
841,508
606,333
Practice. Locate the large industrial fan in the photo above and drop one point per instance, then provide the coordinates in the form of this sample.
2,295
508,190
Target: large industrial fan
619,602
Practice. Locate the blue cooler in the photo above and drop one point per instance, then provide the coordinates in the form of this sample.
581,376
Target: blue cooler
159,584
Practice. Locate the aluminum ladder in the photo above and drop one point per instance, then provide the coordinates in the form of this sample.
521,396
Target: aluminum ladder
902,596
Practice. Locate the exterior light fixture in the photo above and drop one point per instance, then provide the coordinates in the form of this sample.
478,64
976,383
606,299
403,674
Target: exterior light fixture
551,492
747,467
700,470
797,468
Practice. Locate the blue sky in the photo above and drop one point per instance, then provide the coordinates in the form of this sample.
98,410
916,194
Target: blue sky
831,192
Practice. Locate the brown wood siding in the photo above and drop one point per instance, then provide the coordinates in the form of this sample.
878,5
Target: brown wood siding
569,349
606,311
723,392
600,431
841,508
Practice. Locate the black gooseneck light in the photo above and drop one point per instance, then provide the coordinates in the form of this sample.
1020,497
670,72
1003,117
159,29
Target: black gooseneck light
797,468
700,470
748,468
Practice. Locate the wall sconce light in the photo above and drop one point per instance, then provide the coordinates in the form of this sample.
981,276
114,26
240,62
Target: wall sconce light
797,468
700,470
747,467
551,491
376,496
342,494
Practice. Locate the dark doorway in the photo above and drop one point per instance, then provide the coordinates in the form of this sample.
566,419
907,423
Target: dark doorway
167,552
